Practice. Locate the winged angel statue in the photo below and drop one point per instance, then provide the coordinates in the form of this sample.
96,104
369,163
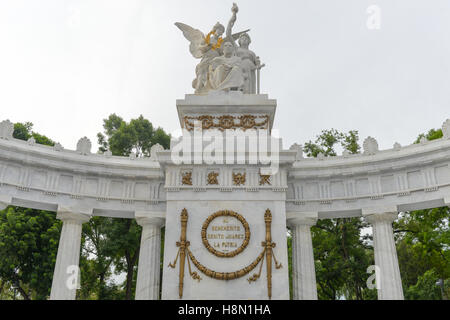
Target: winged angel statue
223,66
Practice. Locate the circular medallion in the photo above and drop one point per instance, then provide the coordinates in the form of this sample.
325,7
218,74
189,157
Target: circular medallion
225,233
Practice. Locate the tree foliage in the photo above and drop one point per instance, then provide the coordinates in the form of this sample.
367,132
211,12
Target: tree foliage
137,136
432,134
342,247
23,131
28,240
327,141
426,288
341,251
116,242
28,246
423,243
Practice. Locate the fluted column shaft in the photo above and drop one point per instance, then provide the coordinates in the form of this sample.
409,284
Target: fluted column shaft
294,264
390,286
148,278
303,268
66,275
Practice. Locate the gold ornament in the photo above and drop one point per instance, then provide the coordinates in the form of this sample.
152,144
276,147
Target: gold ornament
208,40
238,179
187,179
267,253
227,122
226,213
212,178
264,179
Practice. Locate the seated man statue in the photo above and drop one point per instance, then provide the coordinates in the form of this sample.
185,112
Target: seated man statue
225,72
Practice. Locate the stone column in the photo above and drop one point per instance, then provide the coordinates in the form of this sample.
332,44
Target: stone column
4,201
66,275
294,263
148,278
303,269
390,282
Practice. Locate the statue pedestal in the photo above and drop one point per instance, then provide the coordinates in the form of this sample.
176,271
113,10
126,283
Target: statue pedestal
234,104
225,235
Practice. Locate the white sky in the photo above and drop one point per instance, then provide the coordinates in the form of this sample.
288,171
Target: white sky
65,64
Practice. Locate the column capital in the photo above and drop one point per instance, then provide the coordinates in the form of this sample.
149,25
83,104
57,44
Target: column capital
380,214
73,214
5,201
301,218
447,201
150,218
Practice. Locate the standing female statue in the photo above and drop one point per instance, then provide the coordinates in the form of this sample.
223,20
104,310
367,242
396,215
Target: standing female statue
250,62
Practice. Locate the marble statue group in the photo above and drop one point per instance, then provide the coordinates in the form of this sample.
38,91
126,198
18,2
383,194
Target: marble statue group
224,65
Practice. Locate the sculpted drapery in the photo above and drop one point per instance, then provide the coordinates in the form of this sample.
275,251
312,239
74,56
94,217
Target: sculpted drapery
226,72
223,66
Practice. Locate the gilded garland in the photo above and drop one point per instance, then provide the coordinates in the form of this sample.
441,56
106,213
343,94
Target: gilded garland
225,213
184,253
227,122
219,40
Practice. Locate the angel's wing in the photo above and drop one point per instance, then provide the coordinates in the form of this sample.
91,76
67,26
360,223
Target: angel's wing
237,35
195,37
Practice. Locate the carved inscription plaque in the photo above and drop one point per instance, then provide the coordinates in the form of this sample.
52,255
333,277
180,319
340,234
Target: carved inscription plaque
225,234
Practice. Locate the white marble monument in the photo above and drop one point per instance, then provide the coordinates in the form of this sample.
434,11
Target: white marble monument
225,191
233,243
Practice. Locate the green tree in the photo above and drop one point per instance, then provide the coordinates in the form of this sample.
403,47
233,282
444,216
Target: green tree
28,246
290,270
432,134
23,131
423,242
28,241
121,237
425,288
137,136
327,141
96,261
423,239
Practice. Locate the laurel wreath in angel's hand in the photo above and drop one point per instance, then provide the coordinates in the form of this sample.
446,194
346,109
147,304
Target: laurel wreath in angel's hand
199,44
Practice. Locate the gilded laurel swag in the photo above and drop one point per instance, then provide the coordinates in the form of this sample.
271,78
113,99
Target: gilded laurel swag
227,122
225,213
184,253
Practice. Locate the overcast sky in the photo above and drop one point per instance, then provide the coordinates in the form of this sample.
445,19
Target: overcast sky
66,64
